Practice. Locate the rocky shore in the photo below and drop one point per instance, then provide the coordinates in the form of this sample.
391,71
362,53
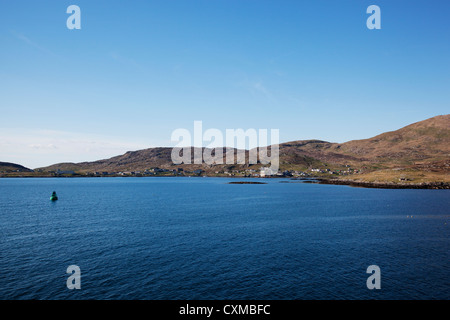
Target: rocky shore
387,185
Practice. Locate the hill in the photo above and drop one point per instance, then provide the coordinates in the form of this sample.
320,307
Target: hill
7,167
425,140
422,147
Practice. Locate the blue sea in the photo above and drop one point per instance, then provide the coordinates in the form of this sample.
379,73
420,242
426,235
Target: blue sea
202,238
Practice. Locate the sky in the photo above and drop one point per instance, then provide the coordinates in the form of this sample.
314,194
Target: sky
138,70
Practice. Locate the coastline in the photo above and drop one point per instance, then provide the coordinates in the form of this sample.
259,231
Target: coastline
386,185
319,180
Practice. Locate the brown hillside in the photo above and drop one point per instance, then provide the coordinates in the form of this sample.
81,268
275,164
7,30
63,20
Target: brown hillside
425,140
417,145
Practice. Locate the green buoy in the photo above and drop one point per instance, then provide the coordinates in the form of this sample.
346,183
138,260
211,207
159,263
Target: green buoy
53,197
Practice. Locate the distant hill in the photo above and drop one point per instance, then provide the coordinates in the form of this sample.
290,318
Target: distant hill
130,161
419,145
12,167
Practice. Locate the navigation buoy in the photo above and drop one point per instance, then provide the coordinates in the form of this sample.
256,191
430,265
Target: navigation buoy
53,197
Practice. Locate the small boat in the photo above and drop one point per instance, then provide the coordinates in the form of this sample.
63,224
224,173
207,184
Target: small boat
53,197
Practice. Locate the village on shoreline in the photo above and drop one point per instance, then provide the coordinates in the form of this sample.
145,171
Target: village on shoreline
321,176
263,172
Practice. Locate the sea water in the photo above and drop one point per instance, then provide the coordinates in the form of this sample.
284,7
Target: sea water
202,238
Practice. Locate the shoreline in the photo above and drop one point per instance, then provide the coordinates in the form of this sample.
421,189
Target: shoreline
387,185
316,180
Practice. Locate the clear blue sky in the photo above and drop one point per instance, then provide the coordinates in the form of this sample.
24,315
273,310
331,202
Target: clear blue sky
137,70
